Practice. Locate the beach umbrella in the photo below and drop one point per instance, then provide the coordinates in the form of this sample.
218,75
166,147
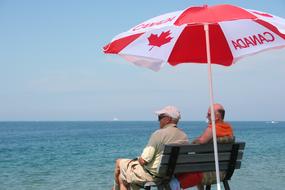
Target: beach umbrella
220,34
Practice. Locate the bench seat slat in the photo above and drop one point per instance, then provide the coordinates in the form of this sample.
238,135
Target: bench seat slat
202,148
200,167
197,158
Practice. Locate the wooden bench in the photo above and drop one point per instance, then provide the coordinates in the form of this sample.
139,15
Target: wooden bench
198,158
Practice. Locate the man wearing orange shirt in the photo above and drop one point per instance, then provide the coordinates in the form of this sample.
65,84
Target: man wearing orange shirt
223,129
224,134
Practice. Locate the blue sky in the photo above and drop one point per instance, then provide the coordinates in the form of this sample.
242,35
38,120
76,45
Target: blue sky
53,67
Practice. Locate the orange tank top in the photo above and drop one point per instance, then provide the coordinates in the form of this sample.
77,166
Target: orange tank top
223,129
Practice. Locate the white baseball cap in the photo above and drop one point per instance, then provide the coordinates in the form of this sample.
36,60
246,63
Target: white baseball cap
170,111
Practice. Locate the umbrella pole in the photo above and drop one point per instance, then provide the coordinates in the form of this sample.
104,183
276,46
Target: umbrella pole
206,29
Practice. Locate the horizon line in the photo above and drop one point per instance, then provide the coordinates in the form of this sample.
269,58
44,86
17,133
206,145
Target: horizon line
133,121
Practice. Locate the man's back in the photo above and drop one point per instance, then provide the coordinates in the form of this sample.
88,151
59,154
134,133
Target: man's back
170,134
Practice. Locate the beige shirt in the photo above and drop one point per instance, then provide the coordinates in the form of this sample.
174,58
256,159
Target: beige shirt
153,151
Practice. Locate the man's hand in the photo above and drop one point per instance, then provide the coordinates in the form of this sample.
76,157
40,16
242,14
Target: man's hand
196,141
142,161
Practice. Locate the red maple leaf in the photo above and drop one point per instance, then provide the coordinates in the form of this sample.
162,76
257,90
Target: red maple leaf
163,38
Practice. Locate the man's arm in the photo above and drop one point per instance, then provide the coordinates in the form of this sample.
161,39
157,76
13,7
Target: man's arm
142,161
147,155
149,151
205,137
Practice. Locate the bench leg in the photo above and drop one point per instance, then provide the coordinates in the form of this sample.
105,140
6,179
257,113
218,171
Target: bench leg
160,187
167,187
208,187
147,188
226,185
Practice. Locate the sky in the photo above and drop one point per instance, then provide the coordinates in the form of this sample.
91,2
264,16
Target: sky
53,67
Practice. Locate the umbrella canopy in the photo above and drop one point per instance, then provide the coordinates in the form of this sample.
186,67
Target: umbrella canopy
179,37
219,34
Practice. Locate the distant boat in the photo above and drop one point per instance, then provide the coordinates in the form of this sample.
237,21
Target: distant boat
115,119
272,122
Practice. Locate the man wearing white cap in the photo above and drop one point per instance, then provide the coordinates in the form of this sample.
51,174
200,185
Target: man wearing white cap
134,173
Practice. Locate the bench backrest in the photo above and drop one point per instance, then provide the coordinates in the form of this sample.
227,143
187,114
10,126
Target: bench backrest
200,158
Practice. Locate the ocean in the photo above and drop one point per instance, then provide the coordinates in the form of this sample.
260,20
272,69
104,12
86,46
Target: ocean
81,155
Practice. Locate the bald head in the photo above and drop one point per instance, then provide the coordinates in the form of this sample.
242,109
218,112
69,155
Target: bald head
219,112
218,107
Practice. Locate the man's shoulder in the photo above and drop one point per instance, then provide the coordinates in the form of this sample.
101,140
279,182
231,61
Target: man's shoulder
180,131
170,130
166,131
157,133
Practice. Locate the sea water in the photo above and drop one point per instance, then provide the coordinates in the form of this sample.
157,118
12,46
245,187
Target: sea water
81,155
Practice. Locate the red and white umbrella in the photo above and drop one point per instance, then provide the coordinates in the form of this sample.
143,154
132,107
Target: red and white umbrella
179,37
219,34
